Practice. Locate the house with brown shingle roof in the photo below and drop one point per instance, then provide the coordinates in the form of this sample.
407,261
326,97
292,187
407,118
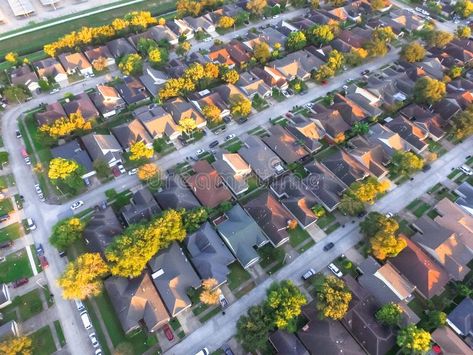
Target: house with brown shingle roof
298,65
331,122
157,121
233,170
253,85
51,113
285,145
371,155
76,63
84,105
307,132
207,98
449,342
350,111
272,77
107,100
180,108
428,121
25,76
94,54
221,56
132,90
207,185
412,134
51,68
129,133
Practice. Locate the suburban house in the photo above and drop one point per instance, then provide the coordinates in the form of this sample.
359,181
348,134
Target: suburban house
447,108
449,342
271,216
306,131
120,47
461,50
324,185
287,343
419,269
136,302
297,65
208,254
227,92
368,102
25,76
83,104
403,20
207,98
173,275
296,198
52,113
72,150
391,91
5,299
356,37
271,77
252,85
180,108
207,185
76,63
444,246
132,90
107,100
429,122
101,230
163,33
465,199
158,122
233,170
345,167
350,111
263,161
100,53
51,68
175,194
153,79
142,207
371,154
242,235
181,28
201,23
9,330
286,146
331,122
103,147
461,318
132,132
222,56
411,133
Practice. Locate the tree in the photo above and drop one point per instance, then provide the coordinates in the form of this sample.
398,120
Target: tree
253,328
321,34
100,63
386,245
389,314
438,39
463,32
66,232
335,60
462,125
413,340
256,6
333,298
413,52
16,346
376,48
16,93
189,7
187,125
374,222
262,52
464,8
171,227
296,40
131,64
336,3
183,48
323,73
242,18
66,125
139,150
356,56
147,172
350,205
455,72
101,168
154,56
367,190
436,319
212,113
360,128
210,294
314,4
284,301
60,168
230,76
82,277
384,34
211,71
11,57
429,90
378,5
240,106
194,218
406,163
226,22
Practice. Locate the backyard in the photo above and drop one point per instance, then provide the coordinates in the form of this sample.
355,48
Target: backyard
15,266
11,232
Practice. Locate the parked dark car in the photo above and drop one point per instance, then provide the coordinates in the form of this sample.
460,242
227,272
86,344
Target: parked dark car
213,144
20,282
4,217
426,168
62,253
226,349
328,246
168,332
39,249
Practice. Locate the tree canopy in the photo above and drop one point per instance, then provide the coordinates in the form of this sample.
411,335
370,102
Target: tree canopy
131,64
253,328
428,90
16,346
413,52
256,6
296,40
464,8
462,124
333,298
413,340
406,163
240,106
139,150
284,301
210,294
389,314
463,32
65,126
262,52
368,190
66,232
321,34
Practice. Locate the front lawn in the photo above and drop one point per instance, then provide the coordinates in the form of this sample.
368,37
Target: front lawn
11,232
332,228
3,183
6,206
270,255
237,275
16,266
325,220
233,146
421,209
43,342
60,333
298,236
29,304
405,229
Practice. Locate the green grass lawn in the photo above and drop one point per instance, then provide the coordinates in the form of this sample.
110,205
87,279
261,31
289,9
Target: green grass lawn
60,333
174,323
454,173
269,255
323,154
411,206
325,220
421,209
11,232
405,229
433,213
29,304
210,314
306,246
43,342
297,236
6,206
417,306
237,275
3,159
233,146
43,152
3,182
446,193
298,169
332,228
15,267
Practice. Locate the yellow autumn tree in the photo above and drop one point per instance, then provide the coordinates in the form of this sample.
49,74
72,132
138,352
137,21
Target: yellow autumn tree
100,63
141,19
210,293
189,7
226,22
60,168
256,6
230,76
139,150
368,189
183,48
154,56
11,57
120,24
211,71
131,64
16,346
187,125
240,105
194,72
333,298
212,113
65,126
147,172
161,21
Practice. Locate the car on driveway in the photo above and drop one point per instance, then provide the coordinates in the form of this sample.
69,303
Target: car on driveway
31,224
121,168
328,246
389,215
132,171
466,170
168,332
223,301
93,340
6,244
20,282
77,205
308,274
336,271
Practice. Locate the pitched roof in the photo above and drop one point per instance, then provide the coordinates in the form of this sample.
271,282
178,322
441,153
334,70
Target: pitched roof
284,145
409,132
465,201
23,75
107,99
129,133
344,167
102,146
287,343
426,120
179,108
349,110
371,155
73,151
172,275
132,90
157,121
100,231
49,67
271,216
462,317
93,54
307,132
449,342
71,61
120,47
208,253
331,121
176,195
142,207
52,113
233,170
84,104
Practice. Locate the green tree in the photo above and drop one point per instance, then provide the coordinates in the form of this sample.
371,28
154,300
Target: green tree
378,5
66,232
102,169
464,8
296,40
389,314
253,328
284,301
16,346
413,340
436,319
131,64
321,34
463,32
194,218
406,163
375,221
360,128
438,39
413,52
333,298
350,205
323,73
428,90
462,124
16,94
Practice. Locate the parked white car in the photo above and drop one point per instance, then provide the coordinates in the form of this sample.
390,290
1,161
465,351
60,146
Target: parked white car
466,170
336,271
77,205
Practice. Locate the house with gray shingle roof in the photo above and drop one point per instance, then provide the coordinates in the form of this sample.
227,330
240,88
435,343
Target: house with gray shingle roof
461,318
287,343
412,134
51,114
120,47
428,121
233,170
176,195
142,207
25,76
465,199
9,330
103,147
306,132
345,167
285,145
449,342
73,151
129,133
83,104
157,121
101,230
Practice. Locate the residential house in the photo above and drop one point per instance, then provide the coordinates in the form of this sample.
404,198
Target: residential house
461,318
356,37
173,275
120,47
297,198
101,230
103,147
447,108
227,92
233,170
371,154
390,91
297,65
207,98
261,158
136,302
176,67
76,63
180,108
239,53
448,342
51,114
208,254
252,85
153,79
5,299
253,39
107,100
25,76
403,20
433,67
368,102
350,111
221,55
83,104
429,122
271,36
197,57
142,207
461,90
50,68
207,185
375,338
132,90
331,122
132,132
100,53
412,134
242,236
163,33
176,195
306,132
326,336
286,146
444,246
158,122
271,216
322,53
181,28
271,77
9,330
324,185
345,167
465,199
420,269
461,50
201,23
390,141
301,23
287,343
72,150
